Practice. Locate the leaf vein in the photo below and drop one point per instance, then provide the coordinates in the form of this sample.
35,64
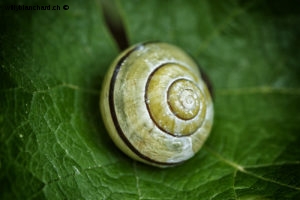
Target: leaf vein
243,170
258,90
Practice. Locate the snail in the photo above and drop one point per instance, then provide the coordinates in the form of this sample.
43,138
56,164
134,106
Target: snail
155,105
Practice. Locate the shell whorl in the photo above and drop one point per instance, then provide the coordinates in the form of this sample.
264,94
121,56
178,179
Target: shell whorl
155,105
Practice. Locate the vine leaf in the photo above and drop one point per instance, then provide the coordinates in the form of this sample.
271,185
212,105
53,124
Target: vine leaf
53,144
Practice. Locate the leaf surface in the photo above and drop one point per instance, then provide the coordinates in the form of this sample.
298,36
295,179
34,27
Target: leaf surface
53,144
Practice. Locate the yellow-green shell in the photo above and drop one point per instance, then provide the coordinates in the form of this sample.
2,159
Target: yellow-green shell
155,105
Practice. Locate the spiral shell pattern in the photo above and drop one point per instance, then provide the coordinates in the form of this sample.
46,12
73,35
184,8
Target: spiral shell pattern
155,105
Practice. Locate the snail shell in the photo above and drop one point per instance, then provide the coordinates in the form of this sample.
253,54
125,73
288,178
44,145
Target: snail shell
155,105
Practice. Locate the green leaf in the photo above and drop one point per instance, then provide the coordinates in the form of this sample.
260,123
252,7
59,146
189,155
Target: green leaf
53,144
